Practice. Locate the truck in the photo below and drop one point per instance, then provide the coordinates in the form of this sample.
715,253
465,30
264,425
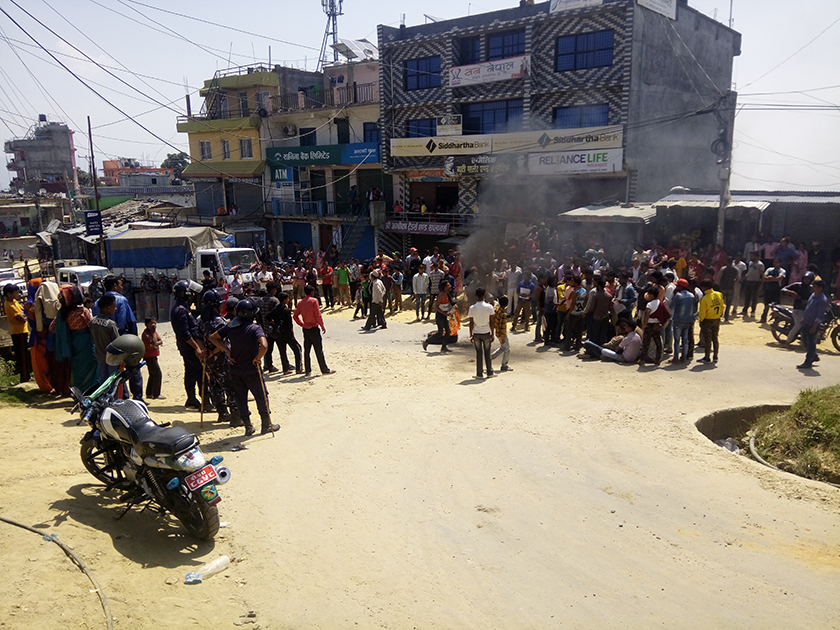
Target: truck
182,253
81,276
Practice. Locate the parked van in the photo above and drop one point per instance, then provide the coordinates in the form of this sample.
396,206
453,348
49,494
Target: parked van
80,276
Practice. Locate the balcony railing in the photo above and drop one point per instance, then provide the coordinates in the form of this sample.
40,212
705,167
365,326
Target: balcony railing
311,208
334,97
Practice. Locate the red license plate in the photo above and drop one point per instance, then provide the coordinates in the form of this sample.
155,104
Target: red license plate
202,477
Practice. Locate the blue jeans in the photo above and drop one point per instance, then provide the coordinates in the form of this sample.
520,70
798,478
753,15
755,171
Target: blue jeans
681,333
809,340
504,350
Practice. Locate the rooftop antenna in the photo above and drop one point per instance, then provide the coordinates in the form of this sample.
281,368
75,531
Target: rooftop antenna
333,9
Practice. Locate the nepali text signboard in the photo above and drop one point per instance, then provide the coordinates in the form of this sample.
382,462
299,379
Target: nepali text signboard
576,162
493,165
93,223
668,8
490,71
416,227
327,154
450,125
565,5
519,142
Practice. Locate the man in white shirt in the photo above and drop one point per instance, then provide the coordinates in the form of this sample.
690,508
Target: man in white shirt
377,299
514,275
482,324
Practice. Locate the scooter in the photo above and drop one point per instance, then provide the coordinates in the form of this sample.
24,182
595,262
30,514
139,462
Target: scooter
154,463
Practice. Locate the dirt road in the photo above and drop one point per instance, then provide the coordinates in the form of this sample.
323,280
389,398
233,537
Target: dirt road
402,493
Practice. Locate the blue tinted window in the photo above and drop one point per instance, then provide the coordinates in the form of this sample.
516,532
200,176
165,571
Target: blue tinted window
492,117
581,116
587,50
470,50
422,73
504,45
422,127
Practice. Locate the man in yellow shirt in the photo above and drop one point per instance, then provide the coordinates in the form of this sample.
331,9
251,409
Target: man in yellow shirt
19,329
709,313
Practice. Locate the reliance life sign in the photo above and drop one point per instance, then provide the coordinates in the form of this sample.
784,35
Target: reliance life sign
576,162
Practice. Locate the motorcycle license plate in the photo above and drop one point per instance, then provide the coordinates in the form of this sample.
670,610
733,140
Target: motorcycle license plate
202,477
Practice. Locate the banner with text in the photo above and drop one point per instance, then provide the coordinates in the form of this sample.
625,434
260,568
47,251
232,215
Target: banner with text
416,227
565,5
490,71
668,8
576,162
327,154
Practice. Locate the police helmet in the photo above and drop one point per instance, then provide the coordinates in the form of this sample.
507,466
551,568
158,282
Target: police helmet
211,299
247,309
809,275
182,287
128,349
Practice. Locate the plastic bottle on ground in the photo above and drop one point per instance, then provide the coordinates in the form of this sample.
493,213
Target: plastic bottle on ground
218,565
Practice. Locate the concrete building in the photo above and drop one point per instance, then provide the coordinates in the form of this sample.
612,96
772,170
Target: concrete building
543,108
145,179
112,170
44,159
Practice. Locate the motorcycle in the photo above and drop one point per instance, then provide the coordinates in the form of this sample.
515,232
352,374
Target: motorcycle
155,463
782,322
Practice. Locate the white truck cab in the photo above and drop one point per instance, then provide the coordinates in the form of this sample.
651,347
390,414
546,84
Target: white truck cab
225,262
80,276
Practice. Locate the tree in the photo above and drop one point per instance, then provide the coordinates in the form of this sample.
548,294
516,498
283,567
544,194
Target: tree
85,180
177,162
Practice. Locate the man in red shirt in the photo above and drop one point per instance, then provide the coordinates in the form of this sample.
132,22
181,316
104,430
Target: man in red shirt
308,316
326,273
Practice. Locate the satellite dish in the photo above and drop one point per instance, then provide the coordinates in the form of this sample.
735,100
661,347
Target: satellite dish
21,191
42,191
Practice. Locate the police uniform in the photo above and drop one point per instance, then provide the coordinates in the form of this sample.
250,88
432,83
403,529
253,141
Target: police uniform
219,383
185,327
243,336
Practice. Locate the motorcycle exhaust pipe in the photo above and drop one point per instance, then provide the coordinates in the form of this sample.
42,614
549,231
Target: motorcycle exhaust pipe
224,474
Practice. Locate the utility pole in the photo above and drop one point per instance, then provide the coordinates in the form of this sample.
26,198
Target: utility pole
724,112
96,198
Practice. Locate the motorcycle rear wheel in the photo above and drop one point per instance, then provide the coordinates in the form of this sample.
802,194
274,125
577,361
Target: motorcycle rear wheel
780,329
835,337
102,463
201,520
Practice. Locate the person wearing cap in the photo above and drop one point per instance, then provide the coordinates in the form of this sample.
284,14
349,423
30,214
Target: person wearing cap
307,315
376,317
219,384
188,342
683,309
19,329
773,280
96,290
281,319
244,343
814,315
800,291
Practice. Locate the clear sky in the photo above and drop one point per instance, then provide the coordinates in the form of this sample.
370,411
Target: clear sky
787,75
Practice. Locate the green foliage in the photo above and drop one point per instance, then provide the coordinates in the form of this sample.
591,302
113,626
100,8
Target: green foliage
805,439
177,162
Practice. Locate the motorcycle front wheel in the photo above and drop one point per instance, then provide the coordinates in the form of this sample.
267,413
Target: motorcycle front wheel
102,462
201,519
780,329
835,337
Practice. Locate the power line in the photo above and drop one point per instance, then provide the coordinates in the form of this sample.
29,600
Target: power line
781,63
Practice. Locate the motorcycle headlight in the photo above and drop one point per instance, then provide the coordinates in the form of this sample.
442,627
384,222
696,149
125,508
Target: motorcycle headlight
190,461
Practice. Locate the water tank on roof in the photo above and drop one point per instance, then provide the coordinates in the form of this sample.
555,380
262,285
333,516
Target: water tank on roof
42,118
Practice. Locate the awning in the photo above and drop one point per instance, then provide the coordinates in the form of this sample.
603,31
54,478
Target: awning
610,214
689,203
244,168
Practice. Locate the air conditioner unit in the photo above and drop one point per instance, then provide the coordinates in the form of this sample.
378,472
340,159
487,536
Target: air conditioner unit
290,130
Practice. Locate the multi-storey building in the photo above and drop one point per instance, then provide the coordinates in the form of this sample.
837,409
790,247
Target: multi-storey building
538,109
113,171
44,159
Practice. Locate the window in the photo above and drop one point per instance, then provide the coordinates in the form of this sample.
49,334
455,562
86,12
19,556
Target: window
225,149
504,45
245,149
371,132
307,136
422,73
224,107
154,180
422,127
581,116
470,50
244,112
263,99
206,151
492,117
589,50
342,128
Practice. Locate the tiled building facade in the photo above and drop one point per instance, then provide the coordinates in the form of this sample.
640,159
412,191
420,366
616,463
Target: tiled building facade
615,66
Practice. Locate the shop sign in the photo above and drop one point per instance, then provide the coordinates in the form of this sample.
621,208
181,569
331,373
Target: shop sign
416,227
668,8
565,5
450,145
519,142
281,174
490,71
576,162
327,154
245,180
93,223
449,125
490,164
429,175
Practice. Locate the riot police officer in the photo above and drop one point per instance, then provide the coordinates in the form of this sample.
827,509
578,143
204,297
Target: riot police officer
246,348
188,340
218,381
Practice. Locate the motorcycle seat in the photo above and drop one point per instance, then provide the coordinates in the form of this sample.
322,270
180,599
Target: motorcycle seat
151,438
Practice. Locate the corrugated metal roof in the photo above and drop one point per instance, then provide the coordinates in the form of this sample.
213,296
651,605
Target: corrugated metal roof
769,197
610,214
735,203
